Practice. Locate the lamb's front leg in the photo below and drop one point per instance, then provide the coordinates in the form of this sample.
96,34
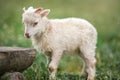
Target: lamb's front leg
54,63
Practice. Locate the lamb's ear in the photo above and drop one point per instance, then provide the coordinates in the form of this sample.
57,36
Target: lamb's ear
44,13
24,9
38,10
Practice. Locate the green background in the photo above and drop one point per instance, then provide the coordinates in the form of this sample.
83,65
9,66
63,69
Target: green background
103,14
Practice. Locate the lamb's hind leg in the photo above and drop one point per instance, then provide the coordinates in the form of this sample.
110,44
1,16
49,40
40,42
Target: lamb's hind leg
89,60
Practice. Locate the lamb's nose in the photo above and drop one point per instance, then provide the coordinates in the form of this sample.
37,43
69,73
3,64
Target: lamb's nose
27,35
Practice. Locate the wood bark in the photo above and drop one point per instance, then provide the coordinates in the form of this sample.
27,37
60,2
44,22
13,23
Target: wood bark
15,59
15,76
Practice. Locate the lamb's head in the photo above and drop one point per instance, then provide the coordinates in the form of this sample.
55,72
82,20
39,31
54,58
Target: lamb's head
34,20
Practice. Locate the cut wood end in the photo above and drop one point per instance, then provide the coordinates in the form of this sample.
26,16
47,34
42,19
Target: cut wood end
9,49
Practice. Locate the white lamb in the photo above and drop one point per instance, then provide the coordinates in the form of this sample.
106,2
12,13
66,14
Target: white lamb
56,36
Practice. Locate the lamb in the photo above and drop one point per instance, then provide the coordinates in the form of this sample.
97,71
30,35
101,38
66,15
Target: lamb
54,37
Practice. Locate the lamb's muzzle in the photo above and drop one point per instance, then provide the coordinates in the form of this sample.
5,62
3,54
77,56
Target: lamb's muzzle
27,35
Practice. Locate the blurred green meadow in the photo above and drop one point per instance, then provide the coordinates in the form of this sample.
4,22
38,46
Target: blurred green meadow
103,14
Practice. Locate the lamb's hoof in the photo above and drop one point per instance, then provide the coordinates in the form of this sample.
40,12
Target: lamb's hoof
84,76
90,77
52,78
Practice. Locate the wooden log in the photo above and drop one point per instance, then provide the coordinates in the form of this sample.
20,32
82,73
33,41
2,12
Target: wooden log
15,76
14,59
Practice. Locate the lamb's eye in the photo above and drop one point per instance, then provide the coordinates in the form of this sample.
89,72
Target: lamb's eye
34,24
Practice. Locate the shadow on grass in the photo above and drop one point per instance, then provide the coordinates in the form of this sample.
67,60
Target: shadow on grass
67,76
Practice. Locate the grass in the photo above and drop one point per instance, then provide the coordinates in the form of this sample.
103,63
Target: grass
103,14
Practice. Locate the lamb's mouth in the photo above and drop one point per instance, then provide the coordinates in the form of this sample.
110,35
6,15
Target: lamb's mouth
27,35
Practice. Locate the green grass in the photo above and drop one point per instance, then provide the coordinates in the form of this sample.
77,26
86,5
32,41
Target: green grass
103,14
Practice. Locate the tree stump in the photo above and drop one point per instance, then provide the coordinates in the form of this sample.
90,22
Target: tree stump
15,59
15,76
